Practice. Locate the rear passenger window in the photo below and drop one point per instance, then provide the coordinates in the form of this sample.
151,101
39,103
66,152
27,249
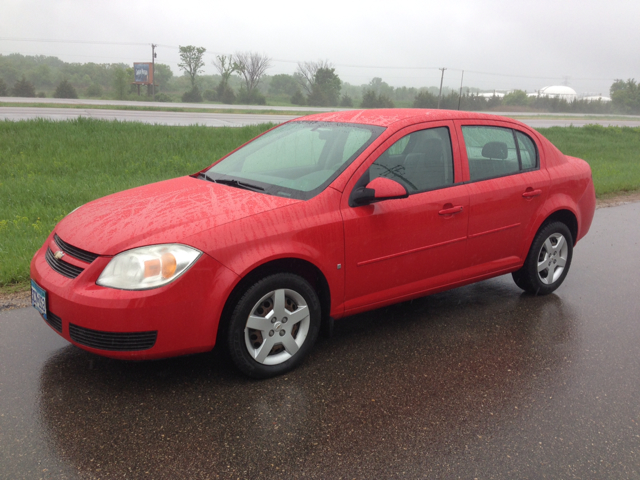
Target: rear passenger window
528,153
496,152
420,161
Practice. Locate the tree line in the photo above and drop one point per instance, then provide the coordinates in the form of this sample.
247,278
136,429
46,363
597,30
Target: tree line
242,78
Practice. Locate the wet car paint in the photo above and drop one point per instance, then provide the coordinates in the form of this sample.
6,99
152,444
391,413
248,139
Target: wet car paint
477,382
241,232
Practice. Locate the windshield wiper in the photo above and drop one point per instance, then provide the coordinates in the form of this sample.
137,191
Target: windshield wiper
236,183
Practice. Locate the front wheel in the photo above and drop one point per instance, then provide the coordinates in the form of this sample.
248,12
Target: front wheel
548,261
274,325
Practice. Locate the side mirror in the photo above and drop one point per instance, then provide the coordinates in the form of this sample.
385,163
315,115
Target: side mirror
378,189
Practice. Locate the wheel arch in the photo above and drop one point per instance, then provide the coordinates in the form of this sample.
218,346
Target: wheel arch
303,268
565,216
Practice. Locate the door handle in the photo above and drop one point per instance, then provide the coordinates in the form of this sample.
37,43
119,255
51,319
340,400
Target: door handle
450,211
532,193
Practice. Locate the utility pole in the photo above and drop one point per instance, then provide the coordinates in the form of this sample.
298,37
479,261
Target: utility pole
441,79
153,70
460,94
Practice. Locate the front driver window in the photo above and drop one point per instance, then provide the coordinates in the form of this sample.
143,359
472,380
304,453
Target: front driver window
420,161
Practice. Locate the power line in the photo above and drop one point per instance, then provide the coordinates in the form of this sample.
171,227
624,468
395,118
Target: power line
379,67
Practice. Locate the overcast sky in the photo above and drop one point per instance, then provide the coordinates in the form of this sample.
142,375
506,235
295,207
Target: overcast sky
499,44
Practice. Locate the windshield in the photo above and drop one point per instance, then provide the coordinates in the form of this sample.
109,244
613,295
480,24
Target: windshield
297,160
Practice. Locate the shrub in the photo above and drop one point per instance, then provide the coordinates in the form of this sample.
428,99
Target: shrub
210,95
65,90
254,97
4,90
371,100
346,101
425,100
162,97
24,88
41,95
94,90
225,93
298,99
192,96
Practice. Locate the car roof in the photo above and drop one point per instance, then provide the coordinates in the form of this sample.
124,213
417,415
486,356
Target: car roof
385,117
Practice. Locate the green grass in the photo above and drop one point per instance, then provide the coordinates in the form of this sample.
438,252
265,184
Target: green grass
612,152
49,168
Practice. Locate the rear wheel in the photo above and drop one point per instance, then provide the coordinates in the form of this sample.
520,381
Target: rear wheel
274,325
548,261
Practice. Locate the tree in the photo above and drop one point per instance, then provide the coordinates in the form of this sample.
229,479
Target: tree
192,62
283,84
65,90
306,74
251,66
4,90
380,87
162,74
120,82
226,66
326,88
625,96
516,97
24,88
371,100
94,90
425,99
617,85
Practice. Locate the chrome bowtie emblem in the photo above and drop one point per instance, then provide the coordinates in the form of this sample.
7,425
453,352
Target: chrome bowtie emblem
58,255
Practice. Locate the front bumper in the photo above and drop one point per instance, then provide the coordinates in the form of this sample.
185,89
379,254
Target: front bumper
176,319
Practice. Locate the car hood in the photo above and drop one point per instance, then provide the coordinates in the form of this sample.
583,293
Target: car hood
163,212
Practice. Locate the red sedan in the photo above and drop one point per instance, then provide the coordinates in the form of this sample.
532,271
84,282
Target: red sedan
319,218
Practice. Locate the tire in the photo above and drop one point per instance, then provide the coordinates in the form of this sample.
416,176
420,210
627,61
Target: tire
548,260
285,314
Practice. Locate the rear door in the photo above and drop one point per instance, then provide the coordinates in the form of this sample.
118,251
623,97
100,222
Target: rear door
399,248
507,188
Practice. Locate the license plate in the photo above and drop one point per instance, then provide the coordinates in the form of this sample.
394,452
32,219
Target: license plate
39,298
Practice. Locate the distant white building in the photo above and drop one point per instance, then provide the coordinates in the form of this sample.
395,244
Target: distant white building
596,98
556,91
491,94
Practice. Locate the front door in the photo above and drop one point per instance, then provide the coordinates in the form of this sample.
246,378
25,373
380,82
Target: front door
402,248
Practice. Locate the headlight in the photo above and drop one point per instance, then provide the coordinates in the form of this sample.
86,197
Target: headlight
148,267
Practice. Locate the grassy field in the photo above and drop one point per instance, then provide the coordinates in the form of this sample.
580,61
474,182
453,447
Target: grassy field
49,168
612,152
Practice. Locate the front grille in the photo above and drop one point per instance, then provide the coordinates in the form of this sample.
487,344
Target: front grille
55,321
122,342
62,267
74,251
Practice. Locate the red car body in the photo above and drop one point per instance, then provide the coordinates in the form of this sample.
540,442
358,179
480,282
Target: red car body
356,257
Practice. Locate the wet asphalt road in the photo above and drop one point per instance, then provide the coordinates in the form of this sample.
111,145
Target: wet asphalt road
240,119
478,382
